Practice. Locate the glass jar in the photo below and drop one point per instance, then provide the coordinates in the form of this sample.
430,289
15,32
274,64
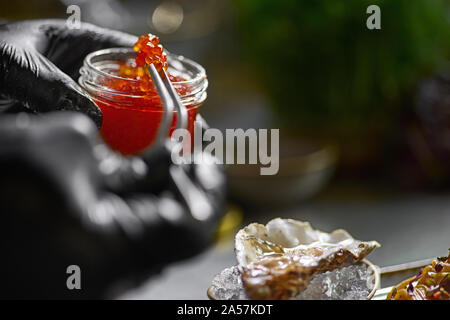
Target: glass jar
131,118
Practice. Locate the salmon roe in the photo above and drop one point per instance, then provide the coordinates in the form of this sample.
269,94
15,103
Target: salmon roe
131,120
149,51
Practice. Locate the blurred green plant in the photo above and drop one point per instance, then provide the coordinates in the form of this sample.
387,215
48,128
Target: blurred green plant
326,71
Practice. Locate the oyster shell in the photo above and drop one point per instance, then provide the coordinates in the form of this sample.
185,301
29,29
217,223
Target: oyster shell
277,261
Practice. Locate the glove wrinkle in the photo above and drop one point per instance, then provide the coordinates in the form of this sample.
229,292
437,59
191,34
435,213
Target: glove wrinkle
112,231
40,61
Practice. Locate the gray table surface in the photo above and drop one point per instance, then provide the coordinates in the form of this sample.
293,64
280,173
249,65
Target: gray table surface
409,227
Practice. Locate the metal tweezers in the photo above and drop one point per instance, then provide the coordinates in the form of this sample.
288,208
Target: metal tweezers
171,102
197,202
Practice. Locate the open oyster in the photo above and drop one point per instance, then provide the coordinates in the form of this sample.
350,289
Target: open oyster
277,261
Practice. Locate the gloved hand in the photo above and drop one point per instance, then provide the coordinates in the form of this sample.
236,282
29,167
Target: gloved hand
67,199
39,63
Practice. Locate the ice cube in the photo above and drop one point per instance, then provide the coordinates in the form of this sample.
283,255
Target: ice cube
349,283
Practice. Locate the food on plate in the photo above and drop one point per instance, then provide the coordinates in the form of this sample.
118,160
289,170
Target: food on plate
279,260
431,283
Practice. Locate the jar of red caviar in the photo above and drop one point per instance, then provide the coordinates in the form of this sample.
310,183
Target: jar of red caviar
131,117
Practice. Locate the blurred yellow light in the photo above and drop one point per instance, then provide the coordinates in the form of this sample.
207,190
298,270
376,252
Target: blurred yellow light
167,17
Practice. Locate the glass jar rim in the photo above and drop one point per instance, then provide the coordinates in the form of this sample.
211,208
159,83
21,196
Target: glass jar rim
198,79
170,56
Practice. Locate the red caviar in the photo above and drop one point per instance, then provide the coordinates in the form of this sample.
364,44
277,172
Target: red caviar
132,118
150,51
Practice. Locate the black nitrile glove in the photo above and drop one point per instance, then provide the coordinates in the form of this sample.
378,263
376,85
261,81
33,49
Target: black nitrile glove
67,199
39,63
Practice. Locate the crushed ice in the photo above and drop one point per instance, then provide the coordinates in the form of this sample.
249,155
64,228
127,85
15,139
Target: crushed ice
349,283
227,285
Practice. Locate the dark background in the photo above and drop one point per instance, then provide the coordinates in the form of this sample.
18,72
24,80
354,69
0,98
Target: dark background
363,114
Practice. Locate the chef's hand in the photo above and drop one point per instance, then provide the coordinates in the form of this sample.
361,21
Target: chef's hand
67,199
39,63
